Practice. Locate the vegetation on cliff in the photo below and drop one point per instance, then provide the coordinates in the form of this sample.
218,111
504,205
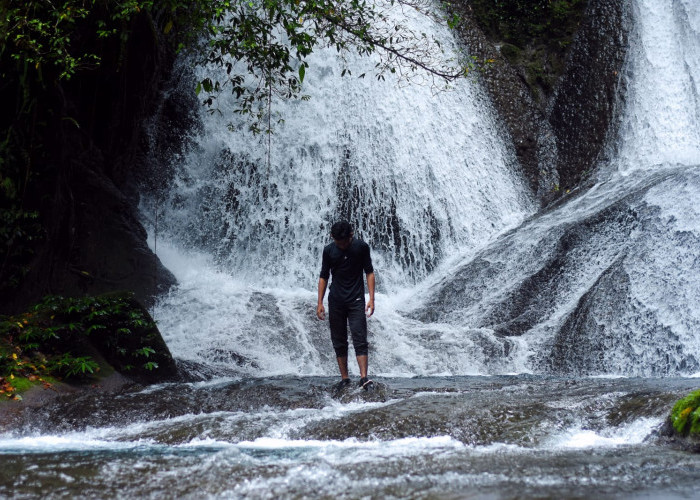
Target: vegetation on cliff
76,338
534,35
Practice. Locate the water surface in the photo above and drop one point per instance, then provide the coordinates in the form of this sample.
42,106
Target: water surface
428,437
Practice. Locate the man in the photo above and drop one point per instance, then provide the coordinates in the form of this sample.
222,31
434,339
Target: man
345,259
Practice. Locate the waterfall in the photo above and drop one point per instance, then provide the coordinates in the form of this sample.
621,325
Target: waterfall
418,174
661,122
608,282
469,281
423,176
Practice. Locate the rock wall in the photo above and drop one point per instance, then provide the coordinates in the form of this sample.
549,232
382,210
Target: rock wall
557,105
583,109
94,144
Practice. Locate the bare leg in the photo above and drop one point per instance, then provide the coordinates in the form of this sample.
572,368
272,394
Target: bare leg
343,365
362,363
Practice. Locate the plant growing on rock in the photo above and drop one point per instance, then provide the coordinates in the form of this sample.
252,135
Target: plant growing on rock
68,337
685,415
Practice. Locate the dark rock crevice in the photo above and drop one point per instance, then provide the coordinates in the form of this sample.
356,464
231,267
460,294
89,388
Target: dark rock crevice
583,108
556,97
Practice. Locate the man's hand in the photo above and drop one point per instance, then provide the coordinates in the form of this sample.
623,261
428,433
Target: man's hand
369,308
320,311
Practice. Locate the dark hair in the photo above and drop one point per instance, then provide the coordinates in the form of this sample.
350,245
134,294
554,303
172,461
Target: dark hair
341,230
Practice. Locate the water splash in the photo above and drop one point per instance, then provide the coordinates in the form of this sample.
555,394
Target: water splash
422,176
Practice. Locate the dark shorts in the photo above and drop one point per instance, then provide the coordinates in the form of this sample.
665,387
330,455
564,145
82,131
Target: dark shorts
340,316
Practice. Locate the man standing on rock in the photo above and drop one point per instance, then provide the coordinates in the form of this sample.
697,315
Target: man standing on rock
345,259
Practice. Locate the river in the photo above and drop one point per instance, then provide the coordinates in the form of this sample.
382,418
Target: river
422,437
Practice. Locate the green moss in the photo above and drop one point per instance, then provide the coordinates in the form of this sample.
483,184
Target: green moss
21,384
695,422
685,415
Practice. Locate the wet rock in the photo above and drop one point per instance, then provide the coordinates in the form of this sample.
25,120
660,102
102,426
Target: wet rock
637,405
352,393
596,285
583,109
193,371
554,90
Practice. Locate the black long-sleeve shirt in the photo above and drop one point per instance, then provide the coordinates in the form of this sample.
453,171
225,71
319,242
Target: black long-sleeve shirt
346,266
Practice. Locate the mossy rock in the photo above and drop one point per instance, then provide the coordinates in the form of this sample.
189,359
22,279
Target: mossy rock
685,416
683,425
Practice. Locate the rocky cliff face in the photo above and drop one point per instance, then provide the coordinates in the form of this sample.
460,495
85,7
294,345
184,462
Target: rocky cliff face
554,90
94,143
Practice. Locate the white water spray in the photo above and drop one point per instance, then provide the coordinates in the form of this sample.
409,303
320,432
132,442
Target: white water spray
661,121
423,176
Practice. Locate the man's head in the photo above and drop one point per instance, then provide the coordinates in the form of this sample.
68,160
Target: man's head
341,232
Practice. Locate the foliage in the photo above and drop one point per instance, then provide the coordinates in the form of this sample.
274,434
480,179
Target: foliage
685,415
264,46
52,339
18,229
38,33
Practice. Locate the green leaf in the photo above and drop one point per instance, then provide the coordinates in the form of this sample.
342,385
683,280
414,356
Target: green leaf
302,72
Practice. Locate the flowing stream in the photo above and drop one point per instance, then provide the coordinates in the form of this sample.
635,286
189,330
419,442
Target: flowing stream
517,354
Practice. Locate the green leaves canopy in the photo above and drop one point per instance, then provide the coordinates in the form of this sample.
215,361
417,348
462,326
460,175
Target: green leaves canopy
263,45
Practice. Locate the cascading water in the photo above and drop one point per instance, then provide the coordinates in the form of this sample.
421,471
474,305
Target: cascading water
423,177
607,283
603,284
661,123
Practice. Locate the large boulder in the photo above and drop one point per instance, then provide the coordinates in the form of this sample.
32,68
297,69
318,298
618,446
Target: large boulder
88,148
